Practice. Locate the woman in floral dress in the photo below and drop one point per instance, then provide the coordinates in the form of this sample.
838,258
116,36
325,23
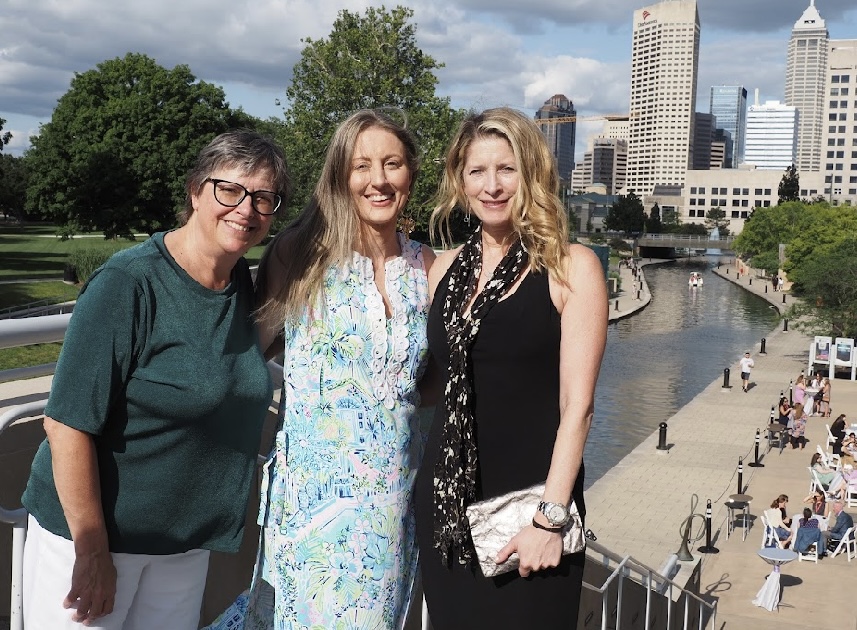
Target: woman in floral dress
338,546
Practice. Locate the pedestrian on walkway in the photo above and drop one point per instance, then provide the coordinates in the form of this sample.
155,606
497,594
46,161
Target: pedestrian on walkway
746,365
775,280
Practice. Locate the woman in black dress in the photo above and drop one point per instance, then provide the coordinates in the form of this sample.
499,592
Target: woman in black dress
517,326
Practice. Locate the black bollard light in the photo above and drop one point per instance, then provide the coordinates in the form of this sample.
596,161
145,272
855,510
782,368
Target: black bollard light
773,414
791,387
708,547
638,294
784,298
725,378
751,281
755,463
766,288
662,436
616,306
785,325
740,476
762,350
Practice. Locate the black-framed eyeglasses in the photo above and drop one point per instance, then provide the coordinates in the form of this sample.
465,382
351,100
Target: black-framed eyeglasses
230,194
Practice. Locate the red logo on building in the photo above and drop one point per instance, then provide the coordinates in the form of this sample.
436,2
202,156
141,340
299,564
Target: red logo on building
646,15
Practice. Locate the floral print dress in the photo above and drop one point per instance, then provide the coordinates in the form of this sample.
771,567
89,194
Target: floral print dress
338,546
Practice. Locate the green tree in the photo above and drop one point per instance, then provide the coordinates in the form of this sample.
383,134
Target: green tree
368,61
789,188
626,215
4,137
13,186
828,284
115,153
715,218
653,221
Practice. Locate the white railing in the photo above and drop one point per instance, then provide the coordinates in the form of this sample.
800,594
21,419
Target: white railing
655,584
48,329
687,237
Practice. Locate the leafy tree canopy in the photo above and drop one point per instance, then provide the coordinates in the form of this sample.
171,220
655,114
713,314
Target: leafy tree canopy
368,61
626,215
828,282
119,144
13,186
653,221
789,188
4,137
716,219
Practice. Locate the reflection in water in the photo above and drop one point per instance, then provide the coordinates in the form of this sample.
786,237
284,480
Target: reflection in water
657,360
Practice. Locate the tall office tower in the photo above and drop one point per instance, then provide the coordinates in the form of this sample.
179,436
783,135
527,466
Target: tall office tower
560,136
721,147
728,104
806,70
771,135
605,162
840,134
703,134
664,66
616,127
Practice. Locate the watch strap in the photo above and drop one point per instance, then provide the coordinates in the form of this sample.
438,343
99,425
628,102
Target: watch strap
552,530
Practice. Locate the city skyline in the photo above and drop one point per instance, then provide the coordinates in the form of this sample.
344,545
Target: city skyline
495,53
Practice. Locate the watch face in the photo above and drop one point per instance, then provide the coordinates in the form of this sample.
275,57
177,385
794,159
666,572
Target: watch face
557,514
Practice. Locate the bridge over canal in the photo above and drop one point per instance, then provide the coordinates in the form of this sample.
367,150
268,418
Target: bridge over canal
661,242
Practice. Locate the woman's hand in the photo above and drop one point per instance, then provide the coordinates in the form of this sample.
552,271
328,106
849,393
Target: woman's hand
93,586
536,548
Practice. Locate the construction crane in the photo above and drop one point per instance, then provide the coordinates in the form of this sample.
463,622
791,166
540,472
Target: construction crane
569,119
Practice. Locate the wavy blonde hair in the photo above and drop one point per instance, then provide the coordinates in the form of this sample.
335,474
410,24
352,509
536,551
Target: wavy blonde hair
538,216
327,230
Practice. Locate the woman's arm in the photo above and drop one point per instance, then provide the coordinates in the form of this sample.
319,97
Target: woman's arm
75,470
582,303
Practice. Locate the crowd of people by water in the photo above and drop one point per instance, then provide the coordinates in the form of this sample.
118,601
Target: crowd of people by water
160,395
833,477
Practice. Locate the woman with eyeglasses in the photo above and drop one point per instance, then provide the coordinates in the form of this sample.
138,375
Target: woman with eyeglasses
155,412
346,295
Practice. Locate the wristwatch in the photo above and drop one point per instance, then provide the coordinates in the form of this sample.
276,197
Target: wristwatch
556,513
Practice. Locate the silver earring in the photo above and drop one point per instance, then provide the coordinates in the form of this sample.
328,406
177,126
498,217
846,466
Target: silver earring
467,219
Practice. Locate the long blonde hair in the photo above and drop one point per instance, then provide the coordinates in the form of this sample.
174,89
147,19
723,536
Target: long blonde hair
538,216
325,232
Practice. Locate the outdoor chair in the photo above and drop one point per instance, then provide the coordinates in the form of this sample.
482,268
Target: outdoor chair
769,534
830,439
809,554
815,483
851,494
847,544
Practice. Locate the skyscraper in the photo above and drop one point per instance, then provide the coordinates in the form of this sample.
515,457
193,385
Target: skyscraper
560,136
806,69
728,104
664,66
771,137
840,132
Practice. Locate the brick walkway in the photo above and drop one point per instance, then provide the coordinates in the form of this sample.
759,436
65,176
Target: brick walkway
637,508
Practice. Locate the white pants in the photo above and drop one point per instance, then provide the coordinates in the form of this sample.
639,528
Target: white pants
151,591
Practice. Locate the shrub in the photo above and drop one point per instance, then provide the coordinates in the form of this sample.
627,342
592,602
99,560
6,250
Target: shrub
619,245
86,260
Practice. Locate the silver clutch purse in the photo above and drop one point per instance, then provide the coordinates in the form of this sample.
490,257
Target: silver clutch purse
494,522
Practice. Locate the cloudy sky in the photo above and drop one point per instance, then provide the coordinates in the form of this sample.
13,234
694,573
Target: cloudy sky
497,52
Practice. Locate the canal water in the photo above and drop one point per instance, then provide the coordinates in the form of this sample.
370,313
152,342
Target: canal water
660,358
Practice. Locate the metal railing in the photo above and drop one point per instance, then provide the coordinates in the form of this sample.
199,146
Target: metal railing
655,584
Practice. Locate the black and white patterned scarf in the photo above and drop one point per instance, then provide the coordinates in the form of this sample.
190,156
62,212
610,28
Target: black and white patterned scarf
455,470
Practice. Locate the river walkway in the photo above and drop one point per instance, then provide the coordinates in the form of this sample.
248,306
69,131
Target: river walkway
638,507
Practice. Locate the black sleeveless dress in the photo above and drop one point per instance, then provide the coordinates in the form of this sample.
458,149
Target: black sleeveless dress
515,372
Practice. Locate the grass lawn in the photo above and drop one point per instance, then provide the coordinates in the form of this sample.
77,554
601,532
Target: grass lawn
31,252
34,252
48,292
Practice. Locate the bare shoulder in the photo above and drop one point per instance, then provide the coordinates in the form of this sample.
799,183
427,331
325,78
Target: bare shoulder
583,277
441,265
429,257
